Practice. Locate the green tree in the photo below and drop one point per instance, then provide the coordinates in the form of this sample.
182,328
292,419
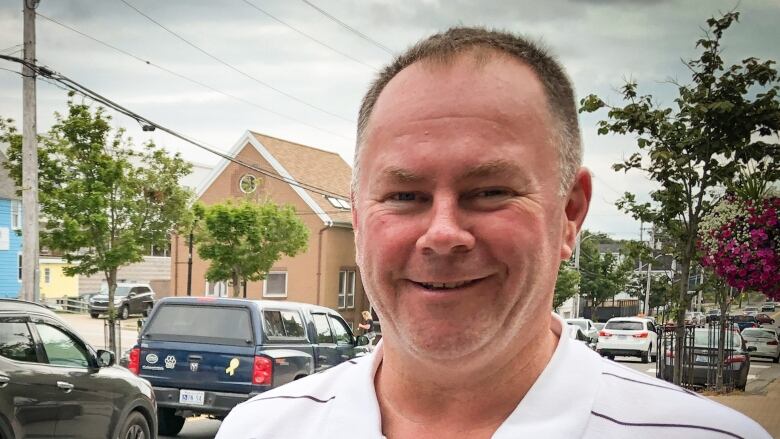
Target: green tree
602,276
243,240
566,285
104,203
719,126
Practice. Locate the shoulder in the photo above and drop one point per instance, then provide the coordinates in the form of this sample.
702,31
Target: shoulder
631,402
304,404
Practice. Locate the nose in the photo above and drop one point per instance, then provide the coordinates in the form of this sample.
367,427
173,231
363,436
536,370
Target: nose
445,233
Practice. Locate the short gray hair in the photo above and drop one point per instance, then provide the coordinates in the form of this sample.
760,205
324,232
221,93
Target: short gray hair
445,47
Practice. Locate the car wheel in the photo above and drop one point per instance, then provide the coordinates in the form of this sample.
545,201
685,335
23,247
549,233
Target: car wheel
147,309
646,355
124,312
168,422
94,315
611,357
653,354
136,427
776,359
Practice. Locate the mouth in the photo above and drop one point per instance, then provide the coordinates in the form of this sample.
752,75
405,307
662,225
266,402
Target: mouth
444,286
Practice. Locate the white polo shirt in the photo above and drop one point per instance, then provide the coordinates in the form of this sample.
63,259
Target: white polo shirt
578,395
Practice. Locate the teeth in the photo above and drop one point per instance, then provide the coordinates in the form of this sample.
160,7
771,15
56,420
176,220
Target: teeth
445,285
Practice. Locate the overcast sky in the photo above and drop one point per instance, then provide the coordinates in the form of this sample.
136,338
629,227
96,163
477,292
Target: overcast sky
300,90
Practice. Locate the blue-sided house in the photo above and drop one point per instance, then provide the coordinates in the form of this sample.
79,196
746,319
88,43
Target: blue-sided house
10,239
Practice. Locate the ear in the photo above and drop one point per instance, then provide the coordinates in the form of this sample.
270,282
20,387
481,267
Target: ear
577,204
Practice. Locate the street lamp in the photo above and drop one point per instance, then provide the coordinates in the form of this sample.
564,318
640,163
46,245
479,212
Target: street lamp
577,267
647,292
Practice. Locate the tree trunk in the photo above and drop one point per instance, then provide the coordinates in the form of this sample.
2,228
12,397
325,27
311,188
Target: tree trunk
236,284
681,305
111,281
724,306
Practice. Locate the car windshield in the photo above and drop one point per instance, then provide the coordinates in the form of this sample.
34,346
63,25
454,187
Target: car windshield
624,325
122,291
758,333
207,324
579,323
709,338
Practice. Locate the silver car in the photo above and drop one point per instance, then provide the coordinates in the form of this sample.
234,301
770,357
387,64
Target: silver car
588,328
765,341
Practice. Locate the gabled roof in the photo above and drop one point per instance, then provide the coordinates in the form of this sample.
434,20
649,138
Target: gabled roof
7,185
299,164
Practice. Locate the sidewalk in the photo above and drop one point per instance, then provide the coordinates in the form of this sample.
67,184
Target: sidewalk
763,407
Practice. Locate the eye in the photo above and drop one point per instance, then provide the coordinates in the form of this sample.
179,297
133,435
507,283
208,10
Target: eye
404,196
492,193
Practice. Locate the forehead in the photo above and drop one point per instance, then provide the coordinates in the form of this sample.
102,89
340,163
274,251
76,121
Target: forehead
488,85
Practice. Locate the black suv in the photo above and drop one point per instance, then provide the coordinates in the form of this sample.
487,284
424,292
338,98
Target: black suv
53,384
129,298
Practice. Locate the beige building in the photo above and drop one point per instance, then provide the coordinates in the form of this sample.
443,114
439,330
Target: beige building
326,273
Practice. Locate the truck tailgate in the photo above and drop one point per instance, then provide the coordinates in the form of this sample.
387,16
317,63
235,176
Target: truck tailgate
197,366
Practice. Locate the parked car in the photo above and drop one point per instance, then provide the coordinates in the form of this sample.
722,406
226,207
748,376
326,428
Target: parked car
712,315
750,310
630,337
695,318
764,319
765,341
736,363
129,298
587,327
599,326
204,355
55,384
768,307
744,321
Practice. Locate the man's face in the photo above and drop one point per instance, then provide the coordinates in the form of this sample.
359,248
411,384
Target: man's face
459,222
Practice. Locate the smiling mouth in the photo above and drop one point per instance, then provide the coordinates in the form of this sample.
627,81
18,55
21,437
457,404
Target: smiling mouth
443,286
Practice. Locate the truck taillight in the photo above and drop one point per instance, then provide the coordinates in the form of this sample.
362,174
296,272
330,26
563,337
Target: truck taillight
641,335
604,334
772,343
735,359
262,371
134,361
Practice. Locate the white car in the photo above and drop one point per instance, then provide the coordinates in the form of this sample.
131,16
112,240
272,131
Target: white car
765,340
628,337
587,326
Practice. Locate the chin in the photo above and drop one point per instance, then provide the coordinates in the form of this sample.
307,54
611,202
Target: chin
447,343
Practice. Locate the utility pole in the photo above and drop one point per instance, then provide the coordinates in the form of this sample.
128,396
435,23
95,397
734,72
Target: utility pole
649,268
577,267
30,254
189,264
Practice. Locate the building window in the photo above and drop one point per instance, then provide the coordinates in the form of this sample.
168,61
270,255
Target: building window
346,289
338,203
161,250
16,214
47,275
248,183
275,284
217,289
19,269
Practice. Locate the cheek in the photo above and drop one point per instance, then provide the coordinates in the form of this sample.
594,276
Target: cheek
386,242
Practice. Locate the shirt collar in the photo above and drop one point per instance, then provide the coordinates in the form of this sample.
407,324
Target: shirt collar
557,405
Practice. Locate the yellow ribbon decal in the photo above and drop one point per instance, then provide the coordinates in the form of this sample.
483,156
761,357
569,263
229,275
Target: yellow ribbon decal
230,370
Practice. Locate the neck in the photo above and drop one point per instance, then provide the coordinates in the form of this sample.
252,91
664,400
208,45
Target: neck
468,397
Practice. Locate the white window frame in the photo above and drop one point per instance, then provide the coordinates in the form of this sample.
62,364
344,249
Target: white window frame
16,215
219,290
265,284
343,297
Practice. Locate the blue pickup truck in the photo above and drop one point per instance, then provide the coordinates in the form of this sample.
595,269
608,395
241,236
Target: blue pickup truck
205,355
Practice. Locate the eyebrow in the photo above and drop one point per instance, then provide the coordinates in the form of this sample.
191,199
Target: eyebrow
499,167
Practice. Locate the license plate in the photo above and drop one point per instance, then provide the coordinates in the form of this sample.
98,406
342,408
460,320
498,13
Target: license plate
193,397
702,359
621,337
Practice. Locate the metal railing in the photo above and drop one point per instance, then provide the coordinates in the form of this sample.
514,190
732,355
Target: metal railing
699,360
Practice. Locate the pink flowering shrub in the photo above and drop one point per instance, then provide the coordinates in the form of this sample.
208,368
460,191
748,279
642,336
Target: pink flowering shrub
740,241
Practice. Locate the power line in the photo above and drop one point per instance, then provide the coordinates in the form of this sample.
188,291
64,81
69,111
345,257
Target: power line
234,68
194,81
350,28
345,55
146,123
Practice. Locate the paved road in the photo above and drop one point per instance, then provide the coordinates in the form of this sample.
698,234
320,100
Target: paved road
92,330
197,428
